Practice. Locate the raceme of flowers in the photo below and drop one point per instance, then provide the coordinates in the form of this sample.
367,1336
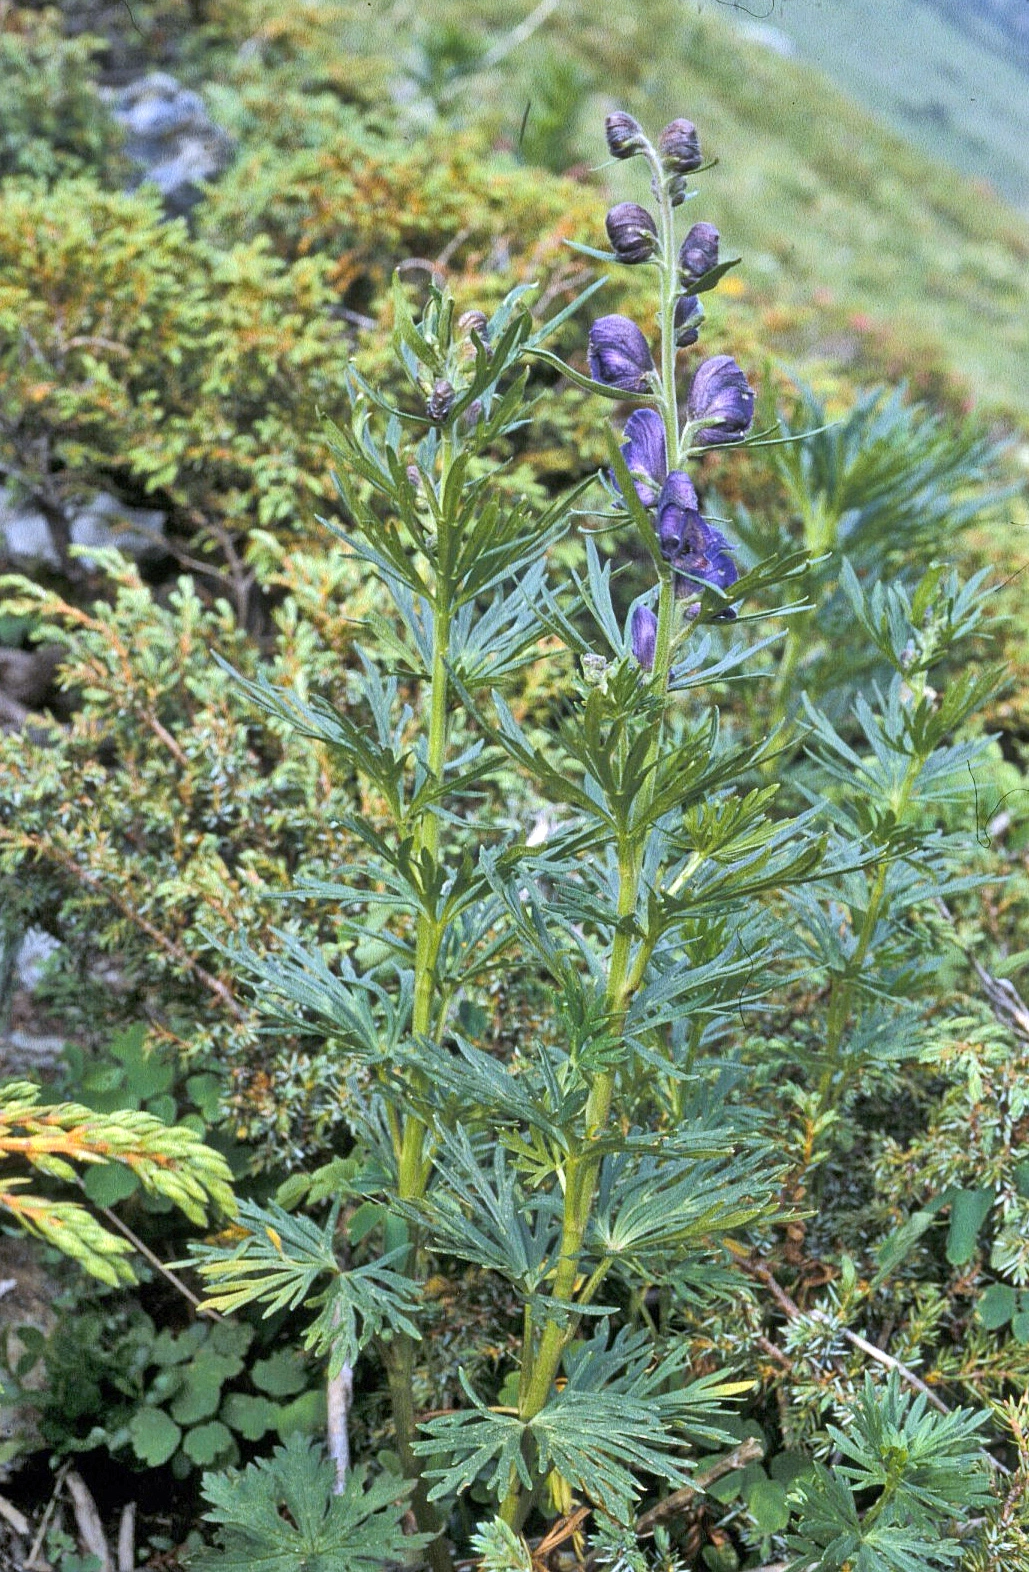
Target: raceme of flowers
719,407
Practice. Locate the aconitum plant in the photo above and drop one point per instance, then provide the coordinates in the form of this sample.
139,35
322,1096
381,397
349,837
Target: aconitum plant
605,1173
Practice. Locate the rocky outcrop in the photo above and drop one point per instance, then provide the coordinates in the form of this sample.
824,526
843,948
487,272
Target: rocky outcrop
27,540
171,136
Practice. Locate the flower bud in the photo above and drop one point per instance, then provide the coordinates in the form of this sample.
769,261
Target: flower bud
720,392
675,185
689,314
632,232
698,253
594,671
677,506
624,135
619,354
643,633
679,147
414,477
475,322
440,401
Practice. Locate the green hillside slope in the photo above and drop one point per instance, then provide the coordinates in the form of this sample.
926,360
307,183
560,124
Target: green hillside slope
952,75
830,210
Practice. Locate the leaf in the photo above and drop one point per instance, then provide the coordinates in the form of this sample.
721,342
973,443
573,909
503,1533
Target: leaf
281,1375
200,1394
153,1435
768,1506
281,1515
250,1417
207,1443
997,1306
109,1183
968,1211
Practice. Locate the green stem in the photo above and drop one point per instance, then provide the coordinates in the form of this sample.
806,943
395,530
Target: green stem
541,1364
832,1084
413,1166
399,1361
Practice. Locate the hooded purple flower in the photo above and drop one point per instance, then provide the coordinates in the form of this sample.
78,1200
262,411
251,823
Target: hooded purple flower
643,633
632,232
644,453
619,354
689,314
698,253
695,548
720,392
676,504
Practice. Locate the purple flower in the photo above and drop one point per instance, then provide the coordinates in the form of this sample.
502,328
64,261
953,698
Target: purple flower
619,354
698,253
643,632
676,504
679,147
689,314
722,393
644,453
632,232
624,135
695,548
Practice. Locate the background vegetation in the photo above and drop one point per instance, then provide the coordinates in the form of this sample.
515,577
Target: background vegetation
147,815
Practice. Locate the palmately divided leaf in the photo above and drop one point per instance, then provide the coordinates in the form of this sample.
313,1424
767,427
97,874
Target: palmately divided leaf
281,1514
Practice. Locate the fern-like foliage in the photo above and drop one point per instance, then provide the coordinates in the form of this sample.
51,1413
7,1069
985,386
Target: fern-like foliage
277,1262
281,1514
924,1469
55,1139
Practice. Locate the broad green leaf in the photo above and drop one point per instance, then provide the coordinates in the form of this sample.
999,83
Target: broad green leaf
768,1506
153,1435
207,1443
250,1416
968,1211
108,1183
280,1375
997,1306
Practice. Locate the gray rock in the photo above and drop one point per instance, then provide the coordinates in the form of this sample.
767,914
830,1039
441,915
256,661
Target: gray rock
27,542
138,532
173,139
25,536
34,952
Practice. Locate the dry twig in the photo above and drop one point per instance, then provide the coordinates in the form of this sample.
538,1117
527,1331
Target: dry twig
747,1452
91,1530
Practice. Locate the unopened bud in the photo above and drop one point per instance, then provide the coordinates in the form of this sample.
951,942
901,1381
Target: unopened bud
632,232
476,322
624,135
440,401
689,314
698,253
679,147
414,477
643,635
594,671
